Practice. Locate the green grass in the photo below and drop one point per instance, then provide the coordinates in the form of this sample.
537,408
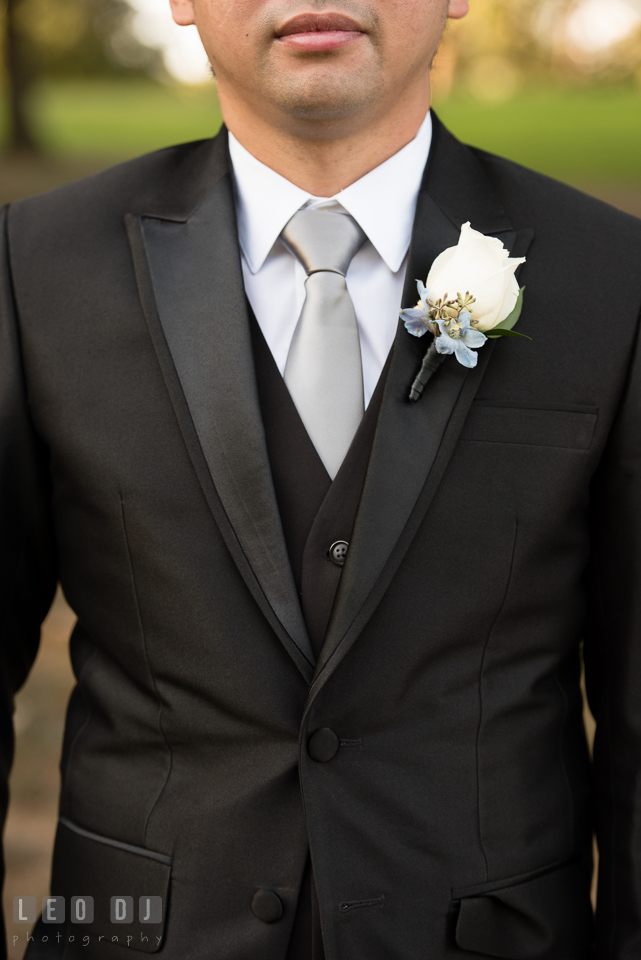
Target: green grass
122,119
576,135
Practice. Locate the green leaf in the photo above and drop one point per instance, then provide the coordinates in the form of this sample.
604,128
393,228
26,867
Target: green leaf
499,332
513,318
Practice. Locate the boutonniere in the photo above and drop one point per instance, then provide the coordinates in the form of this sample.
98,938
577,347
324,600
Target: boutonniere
490,307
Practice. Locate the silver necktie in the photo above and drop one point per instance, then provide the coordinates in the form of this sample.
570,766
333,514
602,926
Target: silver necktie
324,372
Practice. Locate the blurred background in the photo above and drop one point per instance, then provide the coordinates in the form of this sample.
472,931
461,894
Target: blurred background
553,84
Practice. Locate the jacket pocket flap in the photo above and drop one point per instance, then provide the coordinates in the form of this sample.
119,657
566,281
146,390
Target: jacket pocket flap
547,917
87,865
573,429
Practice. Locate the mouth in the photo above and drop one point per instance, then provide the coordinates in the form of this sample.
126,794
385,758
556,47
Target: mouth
319,32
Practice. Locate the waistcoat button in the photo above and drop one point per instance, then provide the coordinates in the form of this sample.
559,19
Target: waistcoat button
338,552
323,745
267,906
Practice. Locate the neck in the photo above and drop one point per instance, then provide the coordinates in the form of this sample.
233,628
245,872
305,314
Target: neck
321,157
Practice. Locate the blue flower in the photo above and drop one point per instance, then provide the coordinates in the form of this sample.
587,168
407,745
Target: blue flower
457,336
453,334
417,319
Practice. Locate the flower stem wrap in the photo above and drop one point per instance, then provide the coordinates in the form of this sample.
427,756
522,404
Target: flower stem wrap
431,362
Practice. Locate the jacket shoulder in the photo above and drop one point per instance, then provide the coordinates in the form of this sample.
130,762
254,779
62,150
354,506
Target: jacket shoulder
179,172
547,203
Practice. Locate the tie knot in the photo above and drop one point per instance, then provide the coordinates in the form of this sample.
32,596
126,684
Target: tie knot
323,238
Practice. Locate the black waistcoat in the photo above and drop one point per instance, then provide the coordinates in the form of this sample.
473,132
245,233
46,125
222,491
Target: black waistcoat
315,512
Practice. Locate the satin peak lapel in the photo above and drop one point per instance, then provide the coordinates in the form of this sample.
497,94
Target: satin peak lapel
414,441
191,284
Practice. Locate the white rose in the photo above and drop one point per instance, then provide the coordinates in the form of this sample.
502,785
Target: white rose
483,266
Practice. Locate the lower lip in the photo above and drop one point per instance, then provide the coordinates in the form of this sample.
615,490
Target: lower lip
320,41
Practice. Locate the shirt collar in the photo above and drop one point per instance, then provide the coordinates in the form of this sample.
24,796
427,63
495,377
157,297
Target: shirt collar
383,202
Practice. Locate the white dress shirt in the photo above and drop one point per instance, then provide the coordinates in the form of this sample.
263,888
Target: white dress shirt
383,203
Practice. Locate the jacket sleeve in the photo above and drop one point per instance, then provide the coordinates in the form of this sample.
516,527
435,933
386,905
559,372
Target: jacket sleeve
613,677
27,564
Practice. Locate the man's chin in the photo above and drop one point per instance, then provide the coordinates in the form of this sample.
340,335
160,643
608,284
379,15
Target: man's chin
326,98
323,121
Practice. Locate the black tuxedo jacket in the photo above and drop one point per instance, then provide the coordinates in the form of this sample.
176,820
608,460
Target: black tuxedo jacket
499,526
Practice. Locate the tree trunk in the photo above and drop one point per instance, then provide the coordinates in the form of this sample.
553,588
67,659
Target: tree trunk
20,137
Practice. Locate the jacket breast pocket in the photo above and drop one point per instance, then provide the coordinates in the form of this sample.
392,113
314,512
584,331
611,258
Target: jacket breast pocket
546,915
114,891
572,428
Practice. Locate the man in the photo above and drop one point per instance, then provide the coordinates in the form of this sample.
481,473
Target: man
328,641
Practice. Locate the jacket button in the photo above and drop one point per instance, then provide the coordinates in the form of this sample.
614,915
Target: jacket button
267,906
337,553
323,745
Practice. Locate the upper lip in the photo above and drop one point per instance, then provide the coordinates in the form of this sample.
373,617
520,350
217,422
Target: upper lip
317,22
